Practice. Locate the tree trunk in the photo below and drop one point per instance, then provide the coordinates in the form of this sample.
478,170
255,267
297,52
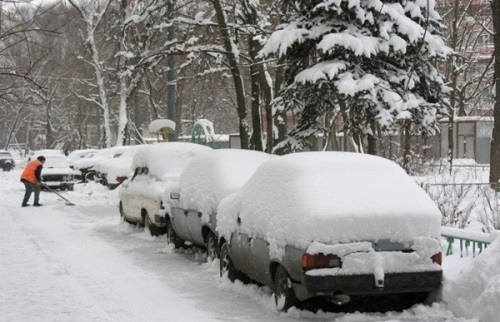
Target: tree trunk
279,118
495,143
13,129
267,90
254,46
407,147
49,138
372,142
232,58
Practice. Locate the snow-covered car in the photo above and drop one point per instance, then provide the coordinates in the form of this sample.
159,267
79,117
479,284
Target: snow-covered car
86,164
155,167
193,201
80,154
112,172
6,161
331,225
56,172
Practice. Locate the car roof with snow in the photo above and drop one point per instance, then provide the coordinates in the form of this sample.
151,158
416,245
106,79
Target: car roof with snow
213,175
331,196
121,163
100,155
167,160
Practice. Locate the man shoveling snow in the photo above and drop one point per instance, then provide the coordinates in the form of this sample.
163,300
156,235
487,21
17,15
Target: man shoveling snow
32,179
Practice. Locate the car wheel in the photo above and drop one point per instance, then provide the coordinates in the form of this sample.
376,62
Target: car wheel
62,188
211,246
122,214
89,176
172,236
71,188
226,264
284,295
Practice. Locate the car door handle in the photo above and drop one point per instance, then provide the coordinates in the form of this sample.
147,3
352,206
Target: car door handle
199,214
186,212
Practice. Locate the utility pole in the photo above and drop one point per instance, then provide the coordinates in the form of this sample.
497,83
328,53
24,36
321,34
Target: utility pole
171,74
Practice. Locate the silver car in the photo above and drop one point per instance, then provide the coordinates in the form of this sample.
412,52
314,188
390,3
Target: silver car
208,178
331,225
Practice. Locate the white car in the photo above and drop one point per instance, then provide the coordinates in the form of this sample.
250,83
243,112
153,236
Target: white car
112,172
56,172
80,154
86,165
208,179
332,225
155,167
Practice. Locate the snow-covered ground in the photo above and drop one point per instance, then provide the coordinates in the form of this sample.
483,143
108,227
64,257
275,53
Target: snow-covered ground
61,263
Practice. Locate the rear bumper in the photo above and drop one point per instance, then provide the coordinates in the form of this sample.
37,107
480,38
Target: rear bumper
365,284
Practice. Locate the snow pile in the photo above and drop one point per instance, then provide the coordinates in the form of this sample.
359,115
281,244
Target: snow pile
166,160
475,293
214,175
329,197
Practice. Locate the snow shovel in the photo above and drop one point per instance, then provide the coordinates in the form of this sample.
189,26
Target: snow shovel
68,203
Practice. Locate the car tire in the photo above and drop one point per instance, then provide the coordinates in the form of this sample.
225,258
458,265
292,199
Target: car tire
284,295
122,214
63,188
226,265
89,176
71,187
172,236
211,246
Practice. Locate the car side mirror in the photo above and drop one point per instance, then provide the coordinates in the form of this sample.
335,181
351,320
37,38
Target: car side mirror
175,195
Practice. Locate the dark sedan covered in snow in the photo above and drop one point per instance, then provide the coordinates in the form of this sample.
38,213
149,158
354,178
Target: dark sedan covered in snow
331,225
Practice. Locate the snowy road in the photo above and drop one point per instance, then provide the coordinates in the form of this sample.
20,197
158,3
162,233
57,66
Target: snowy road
83,264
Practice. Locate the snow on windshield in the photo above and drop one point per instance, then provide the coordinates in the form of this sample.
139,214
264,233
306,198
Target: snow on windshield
54,161
166,159
330,197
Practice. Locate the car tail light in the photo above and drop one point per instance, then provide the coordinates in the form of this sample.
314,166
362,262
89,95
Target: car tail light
320,261
437,258
120,179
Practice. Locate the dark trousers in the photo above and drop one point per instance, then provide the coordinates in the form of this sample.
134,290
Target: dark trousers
29,189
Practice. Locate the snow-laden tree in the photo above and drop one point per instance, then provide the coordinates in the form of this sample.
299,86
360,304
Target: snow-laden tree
370,60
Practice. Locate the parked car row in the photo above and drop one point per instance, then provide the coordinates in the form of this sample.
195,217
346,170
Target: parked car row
87,161
313,224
